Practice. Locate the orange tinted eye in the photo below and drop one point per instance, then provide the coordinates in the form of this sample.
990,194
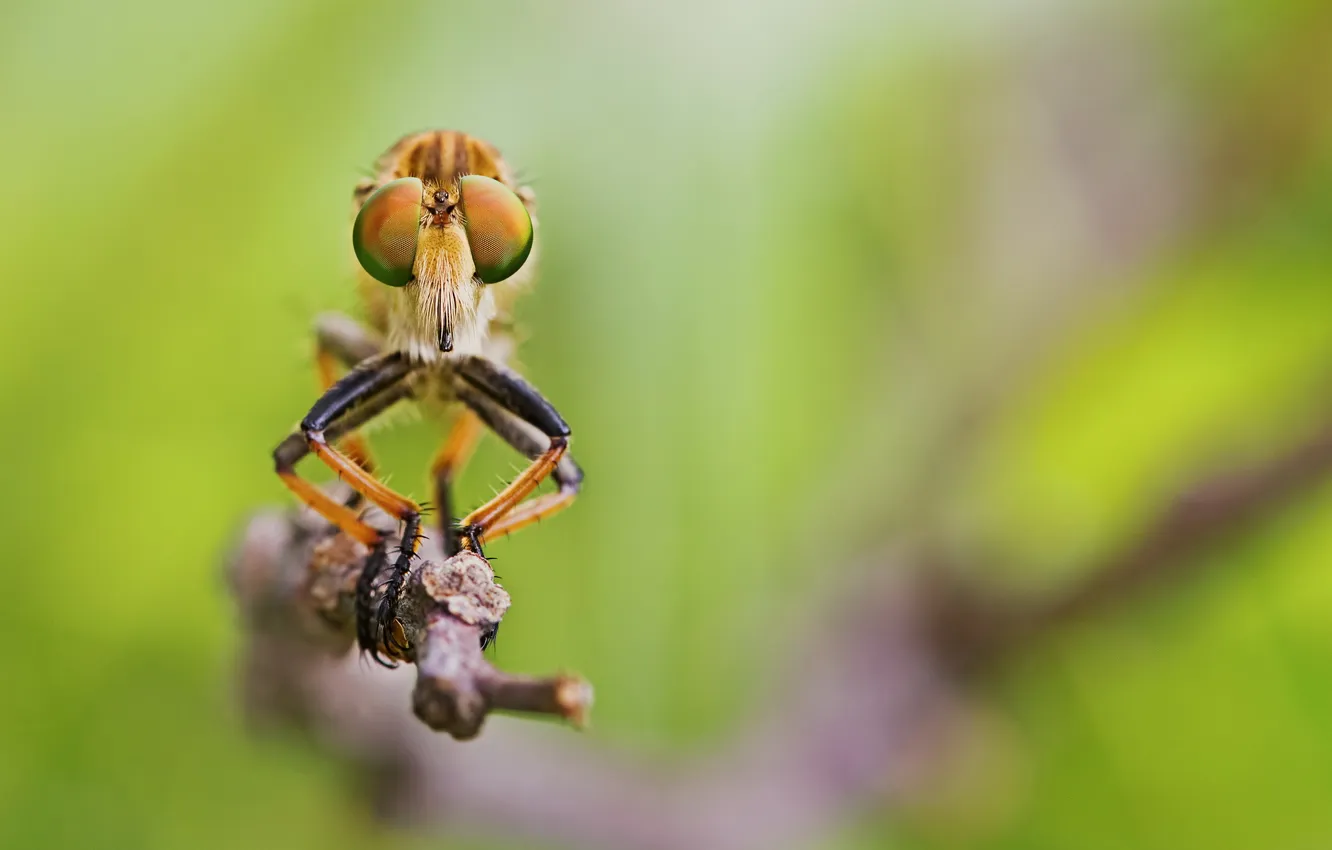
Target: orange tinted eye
384,234
499,230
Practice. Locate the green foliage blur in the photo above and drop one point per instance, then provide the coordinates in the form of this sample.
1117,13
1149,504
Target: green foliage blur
760,298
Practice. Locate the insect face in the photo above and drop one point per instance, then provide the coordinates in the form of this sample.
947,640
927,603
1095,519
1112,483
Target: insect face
442,245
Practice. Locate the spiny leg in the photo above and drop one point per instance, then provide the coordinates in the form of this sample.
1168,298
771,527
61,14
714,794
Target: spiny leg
480,522
366,616
397,506
518,413
330,509
530,442
341,340
531,511
361,391
353,444
449,461
373,379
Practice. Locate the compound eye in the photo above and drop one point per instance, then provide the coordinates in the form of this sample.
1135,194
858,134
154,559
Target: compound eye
384,234
499,230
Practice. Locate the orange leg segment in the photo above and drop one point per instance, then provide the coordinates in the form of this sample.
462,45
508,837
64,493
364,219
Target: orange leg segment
481,521
377,630
449,461
399,507
373,379
331,509
533,510
458,445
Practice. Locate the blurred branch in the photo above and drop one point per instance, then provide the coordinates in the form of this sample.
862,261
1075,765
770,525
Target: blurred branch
1269,128
870,704
1201,517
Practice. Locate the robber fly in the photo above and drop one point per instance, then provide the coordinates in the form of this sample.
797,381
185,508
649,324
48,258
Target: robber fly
444,237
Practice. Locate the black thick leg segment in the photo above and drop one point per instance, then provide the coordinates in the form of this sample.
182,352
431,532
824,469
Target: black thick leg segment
362,383
363,393
342,340
523,437
366,410
511,392
297,445
370,388
522,417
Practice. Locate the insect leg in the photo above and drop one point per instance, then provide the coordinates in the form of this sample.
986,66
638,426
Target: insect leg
530,442
342,340
363,389
517,412
529,512
448,462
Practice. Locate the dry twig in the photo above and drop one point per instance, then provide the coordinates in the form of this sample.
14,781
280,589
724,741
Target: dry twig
305,596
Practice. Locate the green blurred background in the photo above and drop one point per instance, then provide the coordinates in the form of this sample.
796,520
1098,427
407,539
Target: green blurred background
786,244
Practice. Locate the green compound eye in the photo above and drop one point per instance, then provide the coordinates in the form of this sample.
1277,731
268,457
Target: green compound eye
384,234
499,230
